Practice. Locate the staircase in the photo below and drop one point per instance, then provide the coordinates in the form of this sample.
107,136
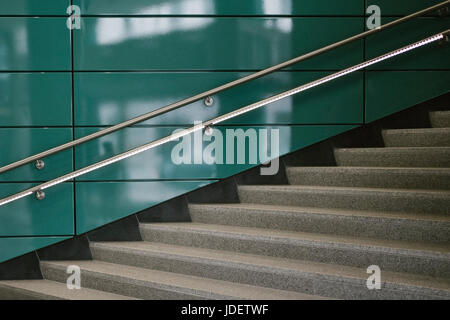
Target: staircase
311,239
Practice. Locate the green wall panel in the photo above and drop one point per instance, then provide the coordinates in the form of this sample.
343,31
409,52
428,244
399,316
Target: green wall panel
35,99
205,44
34,7
19,143
432,56
31,217
390,92
14,247
34,44
101,203
221,7
110,98
212,43
158,164
402,7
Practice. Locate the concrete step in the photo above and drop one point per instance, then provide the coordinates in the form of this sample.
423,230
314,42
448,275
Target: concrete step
284,274
394,157
384,225
153,284
51,290
389,255
371,177
373,199
440,119
434,137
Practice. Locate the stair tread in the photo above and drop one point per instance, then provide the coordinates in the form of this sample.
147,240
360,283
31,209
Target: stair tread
391,156
445,113
180,282
323,211
47,289
313,239
342,189
258,262
421,137
395,149
441,111
411,178
417,130
409,201
372,169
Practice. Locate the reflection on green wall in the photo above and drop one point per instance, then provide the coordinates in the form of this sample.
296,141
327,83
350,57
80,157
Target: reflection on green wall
109,98
219,43
220,7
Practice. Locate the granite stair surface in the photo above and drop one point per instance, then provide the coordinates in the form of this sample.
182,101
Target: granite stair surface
313,238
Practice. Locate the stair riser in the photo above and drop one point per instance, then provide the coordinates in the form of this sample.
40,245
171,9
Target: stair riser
357,200
350,288
405,158
438,139
370,179
440,119
372,227
292,249
124,286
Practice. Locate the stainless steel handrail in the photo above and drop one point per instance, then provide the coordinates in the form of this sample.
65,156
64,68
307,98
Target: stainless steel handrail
39,189
221,88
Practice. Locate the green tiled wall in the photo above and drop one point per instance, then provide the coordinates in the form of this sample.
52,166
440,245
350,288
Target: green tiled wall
132,57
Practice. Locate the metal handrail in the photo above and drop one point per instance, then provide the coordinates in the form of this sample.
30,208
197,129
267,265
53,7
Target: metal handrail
221,88
39,189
